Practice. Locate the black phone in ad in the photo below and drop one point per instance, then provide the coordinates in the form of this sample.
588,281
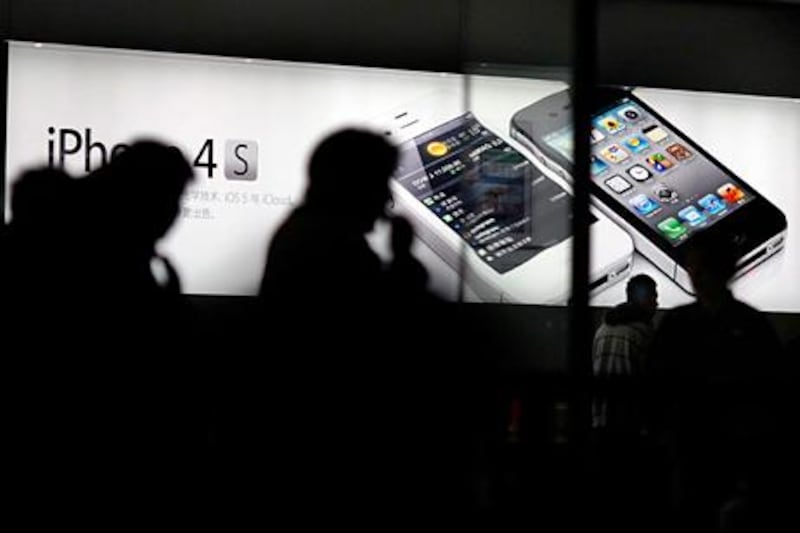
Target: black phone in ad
654,180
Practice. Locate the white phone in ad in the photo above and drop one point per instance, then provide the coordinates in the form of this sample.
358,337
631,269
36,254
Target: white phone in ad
492,215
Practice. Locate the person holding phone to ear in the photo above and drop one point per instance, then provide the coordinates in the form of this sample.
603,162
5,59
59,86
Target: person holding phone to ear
319,256
357,377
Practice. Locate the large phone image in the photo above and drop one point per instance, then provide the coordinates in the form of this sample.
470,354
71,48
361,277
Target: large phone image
492,214
248,127
655,181
263,118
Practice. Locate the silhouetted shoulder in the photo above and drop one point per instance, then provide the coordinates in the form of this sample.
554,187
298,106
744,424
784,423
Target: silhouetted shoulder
735,339
312,259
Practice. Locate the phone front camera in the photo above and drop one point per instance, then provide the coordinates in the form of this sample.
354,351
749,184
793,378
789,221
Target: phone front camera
633,115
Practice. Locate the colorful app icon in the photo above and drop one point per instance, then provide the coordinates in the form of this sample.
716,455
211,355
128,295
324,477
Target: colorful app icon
659,162
637,144
692,215
655,133
611,124
598,166
618,184
664,194
614,153
630,114
731,193
597,136
712,204
672,228
679,151
643,204
639,173
437,148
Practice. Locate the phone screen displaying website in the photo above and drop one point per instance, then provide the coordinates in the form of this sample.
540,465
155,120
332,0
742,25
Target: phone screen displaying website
651,171
485,191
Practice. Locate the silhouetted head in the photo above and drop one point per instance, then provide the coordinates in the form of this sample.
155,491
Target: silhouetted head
349,175
144,185
711,263
641,292
39,198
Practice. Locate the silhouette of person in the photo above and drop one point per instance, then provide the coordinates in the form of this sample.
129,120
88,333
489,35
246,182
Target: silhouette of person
323,292
619,356
125,208
319,254
128,205
35,238
38,198
90,243
621,346
715,359
352,399
109,410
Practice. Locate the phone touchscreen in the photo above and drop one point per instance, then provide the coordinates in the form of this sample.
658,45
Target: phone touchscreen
485,191
653,172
